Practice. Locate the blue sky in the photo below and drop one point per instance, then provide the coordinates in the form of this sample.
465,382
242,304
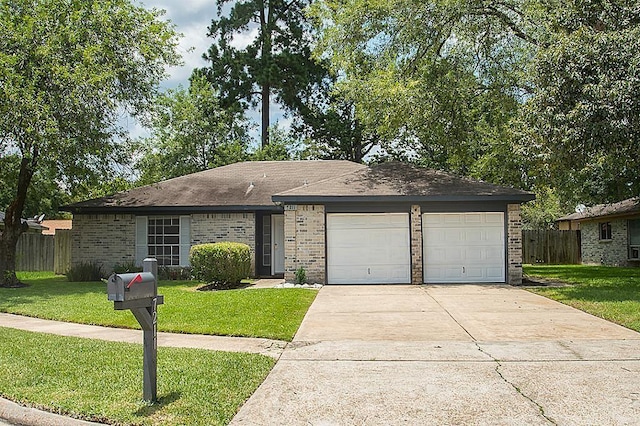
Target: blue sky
192,18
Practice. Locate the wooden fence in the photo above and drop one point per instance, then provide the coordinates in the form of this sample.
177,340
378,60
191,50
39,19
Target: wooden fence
37,252
551,246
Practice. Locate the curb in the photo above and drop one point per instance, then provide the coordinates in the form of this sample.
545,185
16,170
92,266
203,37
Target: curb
25,416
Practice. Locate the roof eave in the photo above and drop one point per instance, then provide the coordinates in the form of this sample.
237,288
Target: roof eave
166,209
302,199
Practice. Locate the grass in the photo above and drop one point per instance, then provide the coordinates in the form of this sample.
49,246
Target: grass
268,313
608,292
102,381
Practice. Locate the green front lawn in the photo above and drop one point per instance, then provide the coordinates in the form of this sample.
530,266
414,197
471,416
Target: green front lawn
608,292
102,381
269,313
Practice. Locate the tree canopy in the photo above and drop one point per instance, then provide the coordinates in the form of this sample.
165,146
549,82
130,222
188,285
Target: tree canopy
532,93
191,132
69,69
277,61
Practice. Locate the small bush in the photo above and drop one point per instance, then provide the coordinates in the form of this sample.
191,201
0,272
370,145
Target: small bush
85,271
223,264
126,267
174,273
301,275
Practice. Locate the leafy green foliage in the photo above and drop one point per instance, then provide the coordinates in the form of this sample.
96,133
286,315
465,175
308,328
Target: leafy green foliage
191,132
101,381
85,271
224,264
281,147
68,70
277,62
586,105
301,275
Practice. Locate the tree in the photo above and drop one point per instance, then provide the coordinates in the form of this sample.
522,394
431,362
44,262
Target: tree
68,70
441,79
277,61
282,146
585,112
191,132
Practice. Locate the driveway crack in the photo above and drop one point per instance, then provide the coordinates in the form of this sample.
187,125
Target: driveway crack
513,385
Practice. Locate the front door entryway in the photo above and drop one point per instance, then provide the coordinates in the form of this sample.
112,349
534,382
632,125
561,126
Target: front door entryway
277,239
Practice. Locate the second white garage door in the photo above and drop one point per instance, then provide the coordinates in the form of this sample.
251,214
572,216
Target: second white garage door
463,247
368,248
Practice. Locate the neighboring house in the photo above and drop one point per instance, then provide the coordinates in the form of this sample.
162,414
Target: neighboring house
35,226
610,233
569,222
342,222
54,224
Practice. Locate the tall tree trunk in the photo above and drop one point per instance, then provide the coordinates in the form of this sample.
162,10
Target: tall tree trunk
13,226
265,114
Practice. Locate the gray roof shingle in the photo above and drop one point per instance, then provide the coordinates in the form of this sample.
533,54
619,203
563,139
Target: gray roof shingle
403,181
621,208
247,185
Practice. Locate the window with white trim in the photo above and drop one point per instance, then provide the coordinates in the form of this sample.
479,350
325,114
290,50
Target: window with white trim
163,240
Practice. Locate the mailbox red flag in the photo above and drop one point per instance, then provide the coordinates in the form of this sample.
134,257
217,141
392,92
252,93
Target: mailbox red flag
136,279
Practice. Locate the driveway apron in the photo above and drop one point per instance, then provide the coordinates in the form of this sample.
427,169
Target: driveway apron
454,354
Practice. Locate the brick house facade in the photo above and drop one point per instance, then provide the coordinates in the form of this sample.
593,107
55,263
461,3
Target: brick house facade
610,233
283,210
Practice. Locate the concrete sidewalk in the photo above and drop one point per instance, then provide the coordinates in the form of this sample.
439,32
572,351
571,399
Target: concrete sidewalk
272,348
450,355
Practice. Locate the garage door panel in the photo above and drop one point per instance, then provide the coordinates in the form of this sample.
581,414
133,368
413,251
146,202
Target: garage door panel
463,247
368,248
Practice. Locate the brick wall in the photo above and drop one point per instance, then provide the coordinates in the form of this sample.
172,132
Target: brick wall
304,245
216,227
105,238
416,245
514,241
606,252
110,239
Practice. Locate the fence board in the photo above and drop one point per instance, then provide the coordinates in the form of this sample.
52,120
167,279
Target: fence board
35,252
551,246
62,260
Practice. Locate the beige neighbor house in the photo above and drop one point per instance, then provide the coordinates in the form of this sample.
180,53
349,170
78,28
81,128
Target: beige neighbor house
610,233
344,223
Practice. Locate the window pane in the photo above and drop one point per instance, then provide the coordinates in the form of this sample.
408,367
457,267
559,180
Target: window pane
634,232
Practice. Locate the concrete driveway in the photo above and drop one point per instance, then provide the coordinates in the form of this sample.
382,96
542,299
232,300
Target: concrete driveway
455,354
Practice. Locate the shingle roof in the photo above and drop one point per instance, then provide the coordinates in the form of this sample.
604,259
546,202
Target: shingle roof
247,185
625,207
403,181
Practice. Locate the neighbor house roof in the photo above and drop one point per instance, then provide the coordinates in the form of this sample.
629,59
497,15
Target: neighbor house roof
33,224
240,186
621,208
53,224
401,182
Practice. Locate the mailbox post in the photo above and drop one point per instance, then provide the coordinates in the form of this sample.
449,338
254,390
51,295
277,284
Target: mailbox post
138,292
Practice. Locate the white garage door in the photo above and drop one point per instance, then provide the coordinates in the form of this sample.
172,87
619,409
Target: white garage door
368,248
463,247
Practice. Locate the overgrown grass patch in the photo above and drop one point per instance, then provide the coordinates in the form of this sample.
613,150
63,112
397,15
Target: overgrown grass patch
609,292
268,313
102,381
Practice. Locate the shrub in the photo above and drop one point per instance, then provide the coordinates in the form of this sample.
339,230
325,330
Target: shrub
301,275
85,271
126,267
174,273
223,264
